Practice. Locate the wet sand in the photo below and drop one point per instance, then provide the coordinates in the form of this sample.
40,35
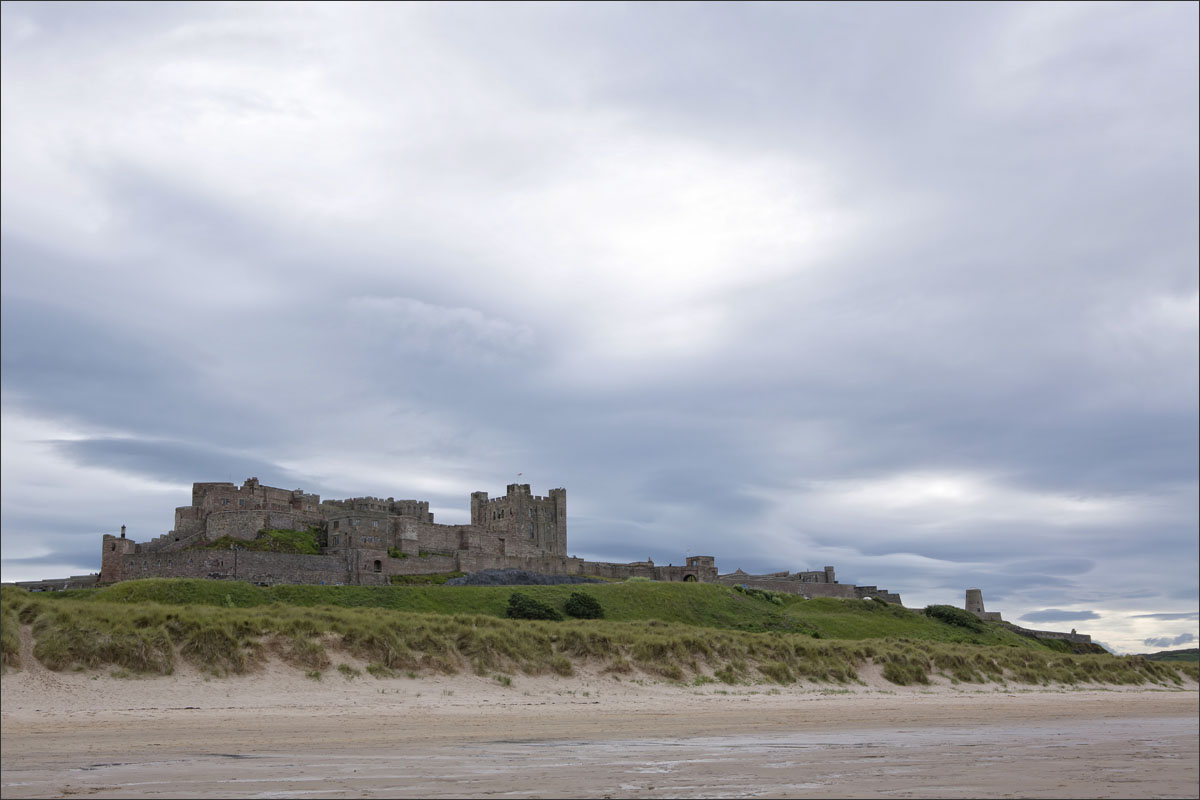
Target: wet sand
279,735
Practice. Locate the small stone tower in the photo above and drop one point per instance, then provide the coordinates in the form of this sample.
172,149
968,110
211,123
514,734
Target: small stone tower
974,602
113,548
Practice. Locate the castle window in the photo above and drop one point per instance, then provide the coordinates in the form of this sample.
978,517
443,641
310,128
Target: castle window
530,530
378,566
336,524
224,501
375,523
241,502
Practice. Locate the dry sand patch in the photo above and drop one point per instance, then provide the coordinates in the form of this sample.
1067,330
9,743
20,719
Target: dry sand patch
279,734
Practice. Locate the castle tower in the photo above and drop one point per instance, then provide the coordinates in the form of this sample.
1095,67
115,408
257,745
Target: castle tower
479,508
974,602
559,517
112,551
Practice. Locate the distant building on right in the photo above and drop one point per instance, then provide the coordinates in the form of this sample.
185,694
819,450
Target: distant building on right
974,604
810,583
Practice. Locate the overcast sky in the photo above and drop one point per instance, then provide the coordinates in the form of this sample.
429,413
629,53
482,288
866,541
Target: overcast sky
910,290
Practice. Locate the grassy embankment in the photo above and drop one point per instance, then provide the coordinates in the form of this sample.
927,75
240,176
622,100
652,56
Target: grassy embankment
1190,655
693,633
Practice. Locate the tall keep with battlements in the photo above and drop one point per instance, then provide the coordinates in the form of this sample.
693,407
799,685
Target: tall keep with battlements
542,521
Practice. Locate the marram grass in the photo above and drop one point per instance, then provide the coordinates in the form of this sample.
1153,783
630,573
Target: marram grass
152,638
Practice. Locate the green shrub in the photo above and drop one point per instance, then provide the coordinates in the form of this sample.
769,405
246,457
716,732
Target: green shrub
429,579
395,552
583,606
954,616
903,673
10,638
762,594
777,672
522,606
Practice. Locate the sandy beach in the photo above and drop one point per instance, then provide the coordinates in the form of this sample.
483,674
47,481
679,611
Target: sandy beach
278,734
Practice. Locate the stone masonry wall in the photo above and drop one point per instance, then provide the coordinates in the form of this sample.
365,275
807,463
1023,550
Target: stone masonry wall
246,565
1068,637
795,587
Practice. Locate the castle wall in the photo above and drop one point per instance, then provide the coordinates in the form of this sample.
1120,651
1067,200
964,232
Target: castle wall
1067,637
795,587
60,584
244,565
245,525
417,509
415,565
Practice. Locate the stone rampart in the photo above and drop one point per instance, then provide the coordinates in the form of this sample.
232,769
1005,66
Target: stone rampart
60,584
246,565
1082,638
795,587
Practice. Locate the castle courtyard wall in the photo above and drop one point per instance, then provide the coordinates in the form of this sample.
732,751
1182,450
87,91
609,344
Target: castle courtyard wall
243,565
845,590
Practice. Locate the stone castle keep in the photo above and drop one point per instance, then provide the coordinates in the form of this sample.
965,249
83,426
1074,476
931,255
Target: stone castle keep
365,540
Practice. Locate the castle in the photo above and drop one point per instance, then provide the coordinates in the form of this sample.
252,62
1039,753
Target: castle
364,540
370,540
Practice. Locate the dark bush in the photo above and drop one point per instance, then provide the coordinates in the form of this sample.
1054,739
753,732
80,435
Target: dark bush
584,606
954,616
762,594
522,606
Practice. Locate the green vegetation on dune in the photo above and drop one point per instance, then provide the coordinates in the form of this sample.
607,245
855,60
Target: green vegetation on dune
702,604
1189,655
150,638
679,632
10,637
706,605
834,618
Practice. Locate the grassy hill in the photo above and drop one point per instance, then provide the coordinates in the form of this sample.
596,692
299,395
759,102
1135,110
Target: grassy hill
678,631
1190,655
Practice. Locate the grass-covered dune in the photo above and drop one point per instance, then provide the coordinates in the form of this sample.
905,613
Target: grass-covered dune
702,605
1191,654
692,633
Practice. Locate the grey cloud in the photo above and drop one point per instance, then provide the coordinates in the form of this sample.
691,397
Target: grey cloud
84,557
1167,641
1059,615
1170,615
173,461
1066,566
